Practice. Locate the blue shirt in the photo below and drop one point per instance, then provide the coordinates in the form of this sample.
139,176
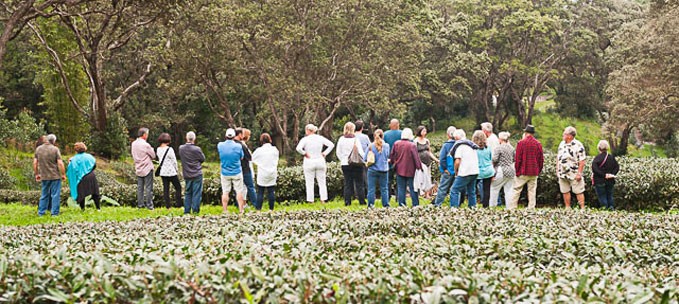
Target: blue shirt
392,136
381,158
485,163
230,154
446,162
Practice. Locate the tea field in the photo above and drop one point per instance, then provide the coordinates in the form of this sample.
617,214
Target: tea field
406,255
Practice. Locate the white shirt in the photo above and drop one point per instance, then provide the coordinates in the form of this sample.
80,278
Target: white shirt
313,144
469,161
344,147
169,167
266,159
492,142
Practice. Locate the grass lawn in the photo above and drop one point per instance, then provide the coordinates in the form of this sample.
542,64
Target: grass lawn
22,215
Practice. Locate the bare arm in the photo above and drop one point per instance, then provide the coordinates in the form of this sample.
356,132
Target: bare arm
35,170
62,170
457,166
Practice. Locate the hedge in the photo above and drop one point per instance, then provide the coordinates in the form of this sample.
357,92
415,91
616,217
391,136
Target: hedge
642,184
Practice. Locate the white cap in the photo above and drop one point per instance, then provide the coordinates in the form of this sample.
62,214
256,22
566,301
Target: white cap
230,133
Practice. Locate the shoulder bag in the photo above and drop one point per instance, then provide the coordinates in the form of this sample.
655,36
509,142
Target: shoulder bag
157,173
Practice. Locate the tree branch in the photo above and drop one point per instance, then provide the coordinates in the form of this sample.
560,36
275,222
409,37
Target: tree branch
118,102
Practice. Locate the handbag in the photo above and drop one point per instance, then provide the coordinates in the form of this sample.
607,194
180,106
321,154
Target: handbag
157,173
370,160
355,158
602,164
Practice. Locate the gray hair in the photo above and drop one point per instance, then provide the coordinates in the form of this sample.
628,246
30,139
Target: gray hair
311,128
142,131
603,145
570,130
486,126
407,133
191,136
459,134
504,136
51,138
450,131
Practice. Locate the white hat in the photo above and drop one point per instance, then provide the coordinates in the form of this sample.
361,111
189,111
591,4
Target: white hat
230,133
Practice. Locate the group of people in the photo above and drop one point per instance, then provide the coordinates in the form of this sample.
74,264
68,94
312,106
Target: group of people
487,162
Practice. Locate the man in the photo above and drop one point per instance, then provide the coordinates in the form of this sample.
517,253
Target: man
192,158
391,137
528,164
143,156
230,156
466,168
570,163
363,139
49,170
491,139
446,166
242,137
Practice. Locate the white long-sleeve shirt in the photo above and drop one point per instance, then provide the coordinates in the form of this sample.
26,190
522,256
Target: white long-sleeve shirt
266,159
313,144
344,147
169,167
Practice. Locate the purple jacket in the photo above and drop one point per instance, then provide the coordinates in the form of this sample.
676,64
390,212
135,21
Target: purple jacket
405,158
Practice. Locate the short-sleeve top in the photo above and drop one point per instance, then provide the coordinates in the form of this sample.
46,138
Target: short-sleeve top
569,155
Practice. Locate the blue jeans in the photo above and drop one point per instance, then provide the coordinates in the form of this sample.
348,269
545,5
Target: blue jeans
51,195
401,183
193,194
270,195
381,179
465,184
605,194
444,187
250,185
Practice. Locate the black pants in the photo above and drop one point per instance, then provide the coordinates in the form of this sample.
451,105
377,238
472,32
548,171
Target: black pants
177,188
485,195
95,197
353,178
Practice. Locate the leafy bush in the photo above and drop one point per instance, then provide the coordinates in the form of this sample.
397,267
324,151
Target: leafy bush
112,142
421,255
7,181
22,132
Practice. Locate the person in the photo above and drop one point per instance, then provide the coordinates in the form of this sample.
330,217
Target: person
353,174
604,169
143,156
49,171
378,173
168,170
528,163
492,141
266,159
486,170
242,137
423,183
446,167
503,161
390,137
82,180
311,146
41,140
406,161
466,168
570,163
362,138
192,169
231,175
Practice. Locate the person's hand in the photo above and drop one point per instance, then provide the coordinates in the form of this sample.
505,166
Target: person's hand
445,171
307,155
578,177
63,177
609,176
37,177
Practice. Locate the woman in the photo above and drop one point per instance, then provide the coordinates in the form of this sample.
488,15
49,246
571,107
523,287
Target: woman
604,169
311,146
378,173
486,171
424,184
168,170
81,177
406,161
503,162
353,174
266,160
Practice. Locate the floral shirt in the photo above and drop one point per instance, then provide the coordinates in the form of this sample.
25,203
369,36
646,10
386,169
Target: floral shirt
569,157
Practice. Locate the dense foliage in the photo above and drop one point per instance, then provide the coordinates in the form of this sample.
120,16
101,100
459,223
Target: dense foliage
422,255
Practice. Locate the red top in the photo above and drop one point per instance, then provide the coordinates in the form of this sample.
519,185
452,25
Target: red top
405,158
529,157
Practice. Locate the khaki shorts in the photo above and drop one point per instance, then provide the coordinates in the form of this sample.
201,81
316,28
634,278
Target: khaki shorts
236,181
567,185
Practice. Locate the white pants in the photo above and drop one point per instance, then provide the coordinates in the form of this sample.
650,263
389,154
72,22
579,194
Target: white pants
499,184
315,168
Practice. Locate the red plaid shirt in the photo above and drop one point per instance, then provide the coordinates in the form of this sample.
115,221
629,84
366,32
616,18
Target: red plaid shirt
529,157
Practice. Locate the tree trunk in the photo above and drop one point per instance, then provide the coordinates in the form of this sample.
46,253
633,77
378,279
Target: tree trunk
98,94
621,148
